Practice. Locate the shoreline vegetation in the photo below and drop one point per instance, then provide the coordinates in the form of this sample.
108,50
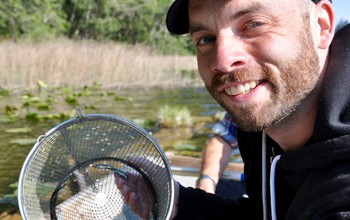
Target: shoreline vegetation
70,63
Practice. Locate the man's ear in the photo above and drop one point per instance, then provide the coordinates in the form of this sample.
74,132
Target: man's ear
326,22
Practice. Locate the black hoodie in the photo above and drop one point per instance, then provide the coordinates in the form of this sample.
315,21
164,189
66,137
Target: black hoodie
311,183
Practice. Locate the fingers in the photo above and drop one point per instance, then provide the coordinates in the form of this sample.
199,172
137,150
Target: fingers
140,208
132,200
119,181
136,193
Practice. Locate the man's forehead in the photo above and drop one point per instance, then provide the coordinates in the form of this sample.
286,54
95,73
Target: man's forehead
201,14
177,18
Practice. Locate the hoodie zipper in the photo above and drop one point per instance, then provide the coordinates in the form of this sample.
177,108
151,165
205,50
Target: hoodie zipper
272,187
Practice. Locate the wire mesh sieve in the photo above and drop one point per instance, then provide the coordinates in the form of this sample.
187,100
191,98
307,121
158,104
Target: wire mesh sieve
65,175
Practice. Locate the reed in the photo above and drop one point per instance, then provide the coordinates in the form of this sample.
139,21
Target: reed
78,63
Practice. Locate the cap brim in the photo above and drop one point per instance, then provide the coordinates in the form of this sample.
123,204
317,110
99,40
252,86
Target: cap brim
177,17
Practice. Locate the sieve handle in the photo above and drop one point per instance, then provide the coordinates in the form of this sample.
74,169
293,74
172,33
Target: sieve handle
40,138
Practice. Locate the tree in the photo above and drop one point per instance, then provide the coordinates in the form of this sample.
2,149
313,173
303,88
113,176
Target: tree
33,19
128,21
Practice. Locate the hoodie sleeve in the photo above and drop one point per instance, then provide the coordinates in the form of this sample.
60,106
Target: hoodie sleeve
197,204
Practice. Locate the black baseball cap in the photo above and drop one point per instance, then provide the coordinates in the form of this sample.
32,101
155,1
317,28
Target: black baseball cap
177,17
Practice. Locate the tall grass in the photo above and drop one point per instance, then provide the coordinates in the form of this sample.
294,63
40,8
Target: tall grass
72,63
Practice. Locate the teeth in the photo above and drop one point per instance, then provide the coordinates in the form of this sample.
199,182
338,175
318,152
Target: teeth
241,88
253,84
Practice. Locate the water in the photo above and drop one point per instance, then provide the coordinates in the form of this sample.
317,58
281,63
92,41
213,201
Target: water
139,104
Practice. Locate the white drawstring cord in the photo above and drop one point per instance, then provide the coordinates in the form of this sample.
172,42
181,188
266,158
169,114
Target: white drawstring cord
272,187
264,175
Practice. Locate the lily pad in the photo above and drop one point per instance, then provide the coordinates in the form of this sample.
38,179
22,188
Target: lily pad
185,147
32,116
5,119
10,198
18,130
24,141
71,100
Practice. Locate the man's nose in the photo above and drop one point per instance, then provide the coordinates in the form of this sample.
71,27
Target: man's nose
230,53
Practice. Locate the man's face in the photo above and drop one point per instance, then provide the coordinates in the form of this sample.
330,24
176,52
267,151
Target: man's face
257,58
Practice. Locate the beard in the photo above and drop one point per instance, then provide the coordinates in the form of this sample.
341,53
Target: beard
295,82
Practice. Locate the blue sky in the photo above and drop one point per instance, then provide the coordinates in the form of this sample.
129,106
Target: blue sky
342,9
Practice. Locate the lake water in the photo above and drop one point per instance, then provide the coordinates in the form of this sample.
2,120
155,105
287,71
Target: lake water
135,104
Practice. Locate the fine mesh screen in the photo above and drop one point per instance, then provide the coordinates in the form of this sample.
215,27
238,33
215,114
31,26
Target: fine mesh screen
61,177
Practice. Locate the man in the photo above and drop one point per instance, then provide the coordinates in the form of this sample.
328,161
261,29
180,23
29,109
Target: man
274,66
216,156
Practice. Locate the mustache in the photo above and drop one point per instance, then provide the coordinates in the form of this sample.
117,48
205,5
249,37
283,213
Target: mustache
240,75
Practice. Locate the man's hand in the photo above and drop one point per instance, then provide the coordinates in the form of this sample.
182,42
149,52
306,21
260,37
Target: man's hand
137,193
207,185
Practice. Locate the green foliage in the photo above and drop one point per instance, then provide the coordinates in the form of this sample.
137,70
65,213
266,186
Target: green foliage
128,21
35,20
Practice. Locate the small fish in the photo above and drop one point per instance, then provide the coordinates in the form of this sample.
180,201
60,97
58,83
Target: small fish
109,167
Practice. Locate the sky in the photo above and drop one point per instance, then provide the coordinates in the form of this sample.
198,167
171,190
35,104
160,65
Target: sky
342,9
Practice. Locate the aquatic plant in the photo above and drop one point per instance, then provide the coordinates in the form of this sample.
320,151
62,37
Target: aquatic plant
23,141
10,198
148,124
34,116
70,99
175,116
74,63
4,92
41,85
122,98
18,130
11,110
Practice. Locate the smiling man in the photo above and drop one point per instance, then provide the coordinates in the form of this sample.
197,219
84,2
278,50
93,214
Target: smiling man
274,66
260,62
283,75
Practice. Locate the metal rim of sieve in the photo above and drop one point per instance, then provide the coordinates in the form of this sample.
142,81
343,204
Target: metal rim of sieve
82,119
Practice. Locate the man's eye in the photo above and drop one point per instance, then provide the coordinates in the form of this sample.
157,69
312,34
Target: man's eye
253,25
205,40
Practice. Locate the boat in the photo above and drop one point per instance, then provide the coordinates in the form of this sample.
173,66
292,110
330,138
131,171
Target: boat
186,170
